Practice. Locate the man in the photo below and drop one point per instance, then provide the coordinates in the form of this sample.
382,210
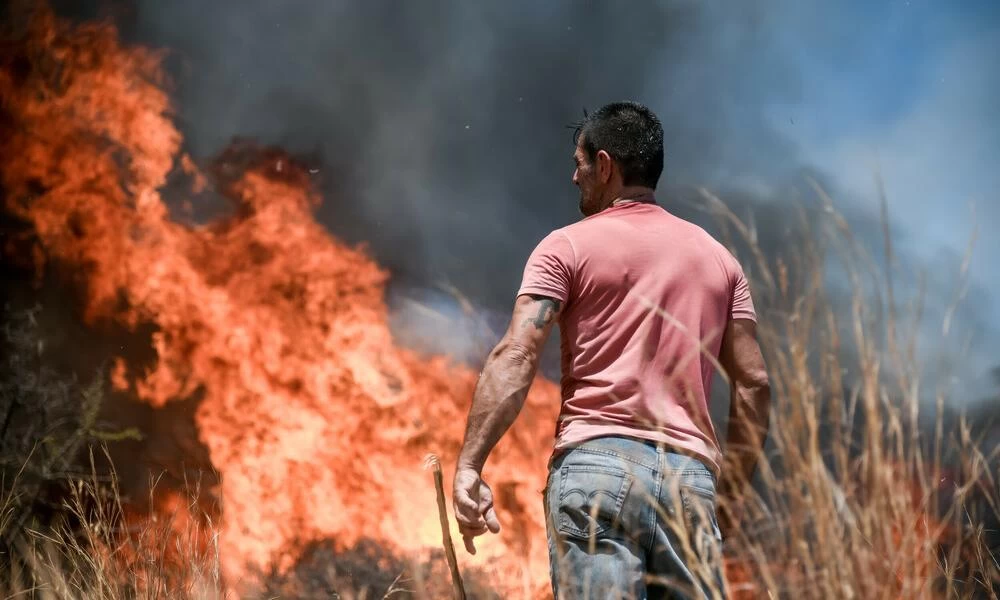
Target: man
648,306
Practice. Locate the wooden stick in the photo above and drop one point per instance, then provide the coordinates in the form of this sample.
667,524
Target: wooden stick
458,589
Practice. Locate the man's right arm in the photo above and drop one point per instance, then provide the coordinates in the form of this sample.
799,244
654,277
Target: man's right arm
749,408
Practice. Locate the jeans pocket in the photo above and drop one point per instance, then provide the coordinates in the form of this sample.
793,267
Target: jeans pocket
699,514
590,499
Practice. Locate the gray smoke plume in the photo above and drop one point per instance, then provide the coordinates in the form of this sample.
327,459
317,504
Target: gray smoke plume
438,128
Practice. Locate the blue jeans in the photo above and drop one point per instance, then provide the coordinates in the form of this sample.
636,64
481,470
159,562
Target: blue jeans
628,519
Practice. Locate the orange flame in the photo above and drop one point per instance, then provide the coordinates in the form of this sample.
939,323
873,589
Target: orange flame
315,420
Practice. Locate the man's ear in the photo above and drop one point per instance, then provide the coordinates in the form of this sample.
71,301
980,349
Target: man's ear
604,166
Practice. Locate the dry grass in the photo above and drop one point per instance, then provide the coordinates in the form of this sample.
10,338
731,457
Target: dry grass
856,499
97,552
849,500
93,550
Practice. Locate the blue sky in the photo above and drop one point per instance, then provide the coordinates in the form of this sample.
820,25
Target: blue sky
910,89
865,63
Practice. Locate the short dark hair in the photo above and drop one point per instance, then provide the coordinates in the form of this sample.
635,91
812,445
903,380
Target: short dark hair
631,134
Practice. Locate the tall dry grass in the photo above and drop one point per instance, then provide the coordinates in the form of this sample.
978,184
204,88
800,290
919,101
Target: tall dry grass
91,548
855,497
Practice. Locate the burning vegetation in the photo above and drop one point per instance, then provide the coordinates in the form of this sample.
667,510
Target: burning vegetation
315,421
316,424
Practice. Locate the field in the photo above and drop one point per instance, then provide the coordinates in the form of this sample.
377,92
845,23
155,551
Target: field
275,336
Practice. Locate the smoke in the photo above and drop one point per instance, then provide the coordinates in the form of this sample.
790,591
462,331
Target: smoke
912,97
442,125
438,128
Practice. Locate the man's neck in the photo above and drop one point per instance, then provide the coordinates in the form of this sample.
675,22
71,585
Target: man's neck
633,193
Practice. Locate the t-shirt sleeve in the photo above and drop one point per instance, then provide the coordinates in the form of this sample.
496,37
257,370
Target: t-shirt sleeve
741,306
549,270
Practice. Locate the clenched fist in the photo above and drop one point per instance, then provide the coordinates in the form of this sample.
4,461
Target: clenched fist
473,507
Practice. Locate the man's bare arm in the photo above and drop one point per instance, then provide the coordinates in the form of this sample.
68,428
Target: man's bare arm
504,382
750,406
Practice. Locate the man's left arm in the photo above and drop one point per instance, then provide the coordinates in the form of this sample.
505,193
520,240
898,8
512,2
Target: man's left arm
499,396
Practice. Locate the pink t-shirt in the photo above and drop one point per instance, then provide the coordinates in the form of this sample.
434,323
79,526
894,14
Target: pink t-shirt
646,295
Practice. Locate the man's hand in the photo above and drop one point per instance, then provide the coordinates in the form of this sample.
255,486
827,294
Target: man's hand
749,417
498,398
473,507
729,511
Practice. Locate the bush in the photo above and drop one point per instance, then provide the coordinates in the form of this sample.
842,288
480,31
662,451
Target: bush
47,420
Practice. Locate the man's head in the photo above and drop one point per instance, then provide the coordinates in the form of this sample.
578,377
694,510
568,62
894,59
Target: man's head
617,147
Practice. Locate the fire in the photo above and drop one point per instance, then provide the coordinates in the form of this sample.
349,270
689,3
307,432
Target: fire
315,420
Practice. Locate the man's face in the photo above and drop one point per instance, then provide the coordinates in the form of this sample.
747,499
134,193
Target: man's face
585,178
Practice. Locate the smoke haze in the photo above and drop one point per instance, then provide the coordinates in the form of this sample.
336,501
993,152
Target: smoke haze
438,128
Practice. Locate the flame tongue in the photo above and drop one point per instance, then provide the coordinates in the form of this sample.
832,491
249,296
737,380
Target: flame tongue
315,420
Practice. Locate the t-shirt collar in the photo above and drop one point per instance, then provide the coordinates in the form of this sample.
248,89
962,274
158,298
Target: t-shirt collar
641,198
